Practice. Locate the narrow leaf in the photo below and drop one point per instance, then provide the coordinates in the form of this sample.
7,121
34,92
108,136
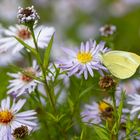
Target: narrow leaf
26,45
47,53
30,49
101,132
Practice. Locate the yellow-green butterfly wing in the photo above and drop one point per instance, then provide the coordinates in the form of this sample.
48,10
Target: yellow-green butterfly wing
121,64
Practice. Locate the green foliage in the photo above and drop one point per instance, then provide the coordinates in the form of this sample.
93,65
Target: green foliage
47,53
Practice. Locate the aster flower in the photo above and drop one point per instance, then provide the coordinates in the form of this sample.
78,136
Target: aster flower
10,119
134,100
91,114
130,86
96,112
85,60
23,84
8,40
26,15
107,30
6,57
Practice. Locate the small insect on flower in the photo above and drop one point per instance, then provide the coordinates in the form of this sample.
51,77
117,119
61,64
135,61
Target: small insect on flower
10,119
106,110
24,83
8,41
26,15
107,30
85,60
97,112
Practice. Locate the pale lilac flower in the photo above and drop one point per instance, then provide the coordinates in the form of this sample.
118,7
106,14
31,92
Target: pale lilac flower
28,14
134,100
130,86
119,8
6,57
91,114
107,30
84,60
23,84
85,31
43,35
131,2
8,9
97,112
10,119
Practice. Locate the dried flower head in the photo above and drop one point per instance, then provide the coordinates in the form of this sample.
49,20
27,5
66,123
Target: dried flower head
20,132
26,15
107,30
107,82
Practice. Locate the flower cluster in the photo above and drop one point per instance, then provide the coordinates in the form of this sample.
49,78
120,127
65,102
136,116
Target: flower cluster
107,30
28,14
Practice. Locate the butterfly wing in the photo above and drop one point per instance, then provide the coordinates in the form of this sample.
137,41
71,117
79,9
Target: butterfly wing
120,63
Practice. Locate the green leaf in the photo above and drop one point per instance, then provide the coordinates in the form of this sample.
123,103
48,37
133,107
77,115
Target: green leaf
55,118
47,53
26,45
82,134
85,91
52,117
101,132
71,104
34,52
121,106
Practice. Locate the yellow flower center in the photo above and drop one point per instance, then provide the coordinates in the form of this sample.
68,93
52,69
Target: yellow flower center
103,105
5,117
106,110
84,57
26,77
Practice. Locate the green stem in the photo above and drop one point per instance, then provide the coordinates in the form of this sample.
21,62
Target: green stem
51,100
34,39
49,95
115,136
62,131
